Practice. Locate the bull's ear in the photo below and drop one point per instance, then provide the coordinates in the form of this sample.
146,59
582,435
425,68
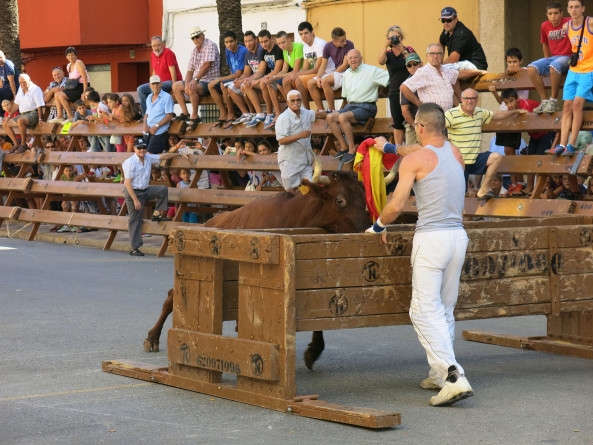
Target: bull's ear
313,188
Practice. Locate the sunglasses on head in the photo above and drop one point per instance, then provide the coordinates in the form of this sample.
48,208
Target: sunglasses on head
411,64
447,20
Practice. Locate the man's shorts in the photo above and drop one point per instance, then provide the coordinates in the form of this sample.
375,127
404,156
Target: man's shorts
203,88
578,85
292,174
558,63
337,79
306,77
32,116
362,111
479,167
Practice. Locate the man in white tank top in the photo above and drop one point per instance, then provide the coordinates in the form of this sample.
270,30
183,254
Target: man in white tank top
435,172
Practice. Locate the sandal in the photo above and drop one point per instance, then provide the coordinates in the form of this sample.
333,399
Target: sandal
228,124
182,117
218,123
193,123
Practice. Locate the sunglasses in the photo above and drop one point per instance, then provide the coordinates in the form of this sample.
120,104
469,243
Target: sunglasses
447,20
197,36
140,148
411,64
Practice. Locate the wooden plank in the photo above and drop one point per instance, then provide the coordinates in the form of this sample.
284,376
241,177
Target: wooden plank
244,246
525,122
503,264
519,236
545,164
518,208
501,81
365,417
255,359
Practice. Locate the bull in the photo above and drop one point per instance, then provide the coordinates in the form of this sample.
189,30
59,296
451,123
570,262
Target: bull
338,207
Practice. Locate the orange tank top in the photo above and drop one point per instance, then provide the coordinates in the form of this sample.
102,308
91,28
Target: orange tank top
585,64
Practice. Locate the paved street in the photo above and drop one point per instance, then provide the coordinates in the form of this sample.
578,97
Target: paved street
64,309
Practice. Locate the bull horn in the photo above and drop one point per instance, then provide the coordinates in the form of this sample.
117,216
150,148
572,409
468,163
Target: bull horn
317,168
392,173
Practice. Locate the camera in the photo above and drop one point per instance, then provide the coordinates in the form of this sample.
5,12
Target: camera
394,40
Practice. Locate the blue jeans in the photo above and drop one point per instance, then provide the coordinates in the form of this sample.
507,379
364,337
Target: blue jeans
144,90
100,143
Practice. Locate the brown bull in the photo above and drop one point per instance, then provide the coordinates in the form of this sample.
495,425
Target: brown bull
338,207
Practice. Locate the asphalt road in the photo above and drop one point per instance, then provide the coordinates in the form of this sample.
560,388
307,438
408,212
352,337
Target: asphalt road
65,309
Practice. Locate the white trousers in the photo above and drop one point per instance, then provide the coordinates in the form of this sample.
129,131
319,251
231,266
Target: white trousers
437,259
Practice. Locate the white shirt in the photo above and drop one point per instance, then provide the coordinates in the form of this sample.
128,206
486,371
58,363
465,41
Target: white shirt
31,100
138,171
313,52
289,124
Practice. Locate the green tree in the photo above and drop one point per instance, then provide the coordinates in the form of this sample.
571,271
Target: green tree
10,43
229,18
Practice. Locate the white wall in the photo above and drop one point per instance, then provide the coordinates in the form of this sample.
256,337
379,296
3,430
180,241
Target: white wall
179,16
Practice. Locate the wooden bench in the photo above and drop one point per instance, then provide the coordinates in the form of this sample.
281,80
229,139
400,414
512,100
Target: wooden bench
518,81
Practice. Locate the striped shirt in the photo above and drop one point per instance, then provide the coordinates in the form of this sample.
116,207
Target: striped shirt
432,86
465,131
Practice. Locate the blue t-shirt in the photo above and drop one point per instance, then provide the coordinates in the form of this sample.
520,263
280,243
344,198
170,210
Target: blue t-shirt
236,60
8,70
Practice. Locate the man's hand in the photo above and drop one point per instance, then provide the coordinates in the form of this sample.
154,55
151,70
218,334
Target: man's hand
137,204
380,143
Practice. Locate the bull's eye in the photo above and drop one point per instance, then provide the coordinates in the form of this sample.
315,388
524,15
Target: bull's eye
340,202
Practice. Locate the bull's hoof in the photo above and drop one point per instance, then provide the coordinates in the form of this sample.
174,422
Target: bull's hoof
151,346
310,356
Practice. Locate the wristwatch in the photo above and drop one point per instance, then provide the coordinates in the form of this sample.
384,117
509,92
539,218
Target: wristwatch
156,125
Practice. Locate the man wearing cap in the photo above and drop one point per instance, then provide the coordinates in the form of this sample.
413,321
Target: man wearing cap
164,64
409,110
159,112
464,52
203,68
137,191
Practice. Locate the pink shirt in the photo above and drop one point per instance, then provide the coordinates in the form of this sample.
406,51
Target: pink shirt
208,53
432,87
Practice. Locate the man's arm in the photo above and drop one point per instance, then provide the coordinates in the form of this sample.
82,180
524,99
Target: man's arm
501,115
452,58
13,88
546,50
409,95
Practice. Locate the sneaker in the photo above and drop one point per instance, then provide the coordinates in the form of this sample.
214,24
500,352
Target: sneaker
243,118
67,121
542,106
64,229
456,388
268,120
339,154
74,229
569,150
510,190
160,218
256,120
429,384
557,150
551,106
347,158
117,178
55,120
136,252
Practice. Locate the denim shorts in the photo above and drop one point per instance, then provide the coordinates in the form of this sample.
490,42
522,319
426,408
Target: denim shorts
362,111
559,63
479,167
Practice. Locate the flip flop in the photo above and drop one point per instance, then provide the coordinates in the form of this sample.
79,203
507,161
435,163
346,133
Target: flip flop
486,197
218,123
228,124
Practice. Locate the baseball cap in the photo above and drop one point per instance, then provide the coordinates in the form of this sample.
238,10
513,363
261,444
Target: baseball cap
196,30
155,79
413,57
139,143
448,13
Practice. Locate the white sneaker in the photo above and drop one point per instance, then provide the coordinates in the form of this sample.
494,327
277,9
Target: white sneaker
56,120
243,118
453,391
551,106
64,229
542,106
429,384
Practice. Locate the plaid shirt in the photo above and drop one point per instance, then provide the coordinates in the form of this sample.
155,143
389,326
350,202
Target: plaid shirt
208,53
432,87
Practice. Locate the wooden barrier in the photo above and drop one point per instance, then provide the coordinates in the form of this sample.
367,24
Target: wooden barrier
277,283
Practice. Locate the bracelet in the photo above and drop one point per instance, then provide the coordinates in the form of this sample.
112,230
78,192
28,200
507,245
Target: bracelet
391,149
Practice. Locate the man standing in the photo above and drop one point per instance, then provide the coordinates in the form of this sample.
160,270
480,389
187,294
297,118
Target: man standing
464,125
464,52
9,77
409,110
203,68
433,82
164,64
29,101
137,191
557,51
579,82
293,132
159,113
361,87
435,173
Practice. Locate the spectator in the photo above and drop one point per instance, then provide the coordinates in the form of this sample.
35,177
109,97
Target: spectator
203,68
130,113
254,62
360,87
578,84
293,132
285,80
409,110
69,206
557,50
235,59
164,64
157,119
98,108
514,59
9,78
55,86
187,216
496,186
588,195
75,87
274,59
312,55
463,50
394,58
29,102
333,64
464,125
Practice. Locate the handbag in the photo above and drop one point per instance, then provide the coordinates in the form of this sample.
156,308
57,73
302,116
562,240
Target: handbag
574,58
115,139
71,84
